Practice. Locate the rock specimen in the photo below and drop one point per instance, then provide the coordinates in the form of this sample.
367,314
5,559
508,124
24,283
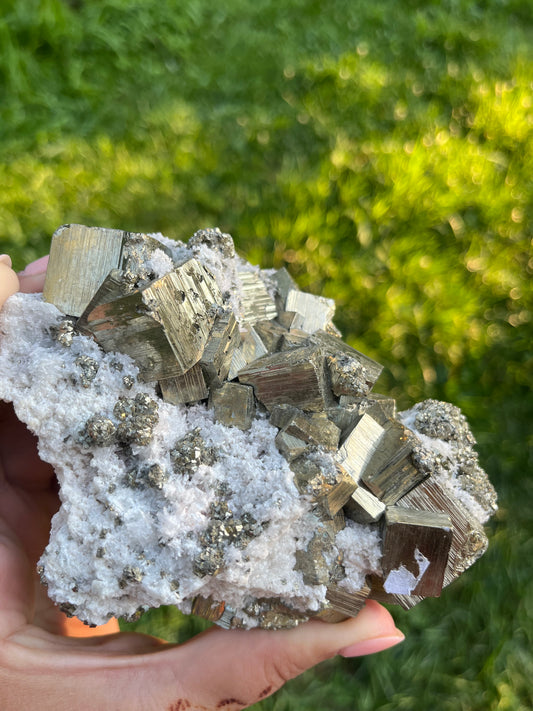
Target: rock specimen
219,447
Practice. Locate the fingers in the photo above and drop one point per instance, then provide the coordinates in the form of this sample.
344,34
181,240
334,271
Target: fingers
9,283
32,278
373,630
234,669
219,669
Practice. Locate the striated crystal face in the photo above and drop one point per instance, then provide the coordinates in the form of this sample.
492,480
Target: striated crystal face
220,448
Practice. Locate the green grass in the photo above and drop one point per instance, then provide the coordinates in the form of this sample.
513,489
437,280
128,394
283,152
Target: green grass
382,151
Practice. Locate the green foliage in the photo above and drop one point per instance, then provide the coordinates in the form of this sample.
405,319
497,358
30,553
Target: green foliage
382,152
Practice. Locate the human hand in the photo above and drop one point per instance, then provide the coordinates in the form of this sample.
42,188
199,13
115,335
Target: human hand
46,664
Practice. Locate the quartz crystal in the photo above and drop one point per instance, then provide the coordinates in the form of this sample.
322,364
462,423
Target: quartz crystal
219,447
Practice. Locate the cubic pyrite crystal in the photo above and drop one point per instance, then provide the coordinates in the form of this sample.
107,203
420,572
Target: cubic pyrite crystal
165,326
219,447
88,255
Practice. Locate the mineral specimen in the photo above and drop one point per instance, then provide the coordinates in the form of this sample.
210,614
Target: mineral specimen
218,445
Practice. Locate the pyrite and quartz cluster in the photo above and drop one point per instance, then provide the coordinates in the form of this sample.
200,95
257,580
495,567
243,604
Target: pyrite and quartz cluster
219,446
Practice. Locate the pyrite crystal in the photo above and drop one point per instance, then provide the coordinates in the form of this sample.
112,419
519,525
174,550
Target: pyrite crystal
220,448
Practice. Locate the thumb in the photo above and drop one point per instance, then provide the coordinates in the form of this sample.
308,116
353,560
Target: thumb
234,669
9,283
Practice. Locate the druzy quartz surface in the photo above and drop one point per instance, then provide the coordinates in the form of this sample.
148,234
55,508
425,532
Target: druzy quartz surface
220,448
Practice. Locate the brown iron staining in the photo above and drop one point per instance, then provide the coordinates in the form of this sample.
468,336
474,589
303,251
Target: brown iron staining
208,608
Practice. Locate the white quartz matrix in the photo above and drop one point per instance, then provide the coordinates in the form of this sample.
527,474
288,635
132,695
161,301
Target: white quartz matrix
114,548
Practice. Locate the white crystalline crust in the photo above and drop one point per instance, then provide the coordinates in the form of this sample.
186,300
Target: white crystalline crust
362,552
159,263
105,526
446,473
401,581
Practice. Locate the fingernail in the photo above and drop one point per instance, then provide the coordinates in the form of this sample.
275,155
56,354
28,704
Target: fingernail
5,259
36,267
371,646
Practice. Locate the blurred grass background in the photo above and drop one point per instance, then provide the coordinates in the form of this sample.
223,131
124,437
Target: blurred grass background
382,151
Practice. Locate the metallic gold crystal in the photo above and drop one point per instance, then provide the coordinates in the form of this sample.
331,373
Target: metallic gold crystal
80,259
316,311
291,447
214,239
218,352
313,428
283,283
165,327
348,603
185,302
125,325
271,333
233,405
359,447
293,339
187,388
313,561
291,320
364,507
469,541
295,377
330,488
257,303
390,473
208,608
334,346
416,544
250,348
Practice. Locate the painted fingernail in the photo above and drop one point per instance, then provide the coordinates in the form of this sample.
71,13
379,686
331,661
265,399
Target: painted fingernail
36,267
5,259
371,646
